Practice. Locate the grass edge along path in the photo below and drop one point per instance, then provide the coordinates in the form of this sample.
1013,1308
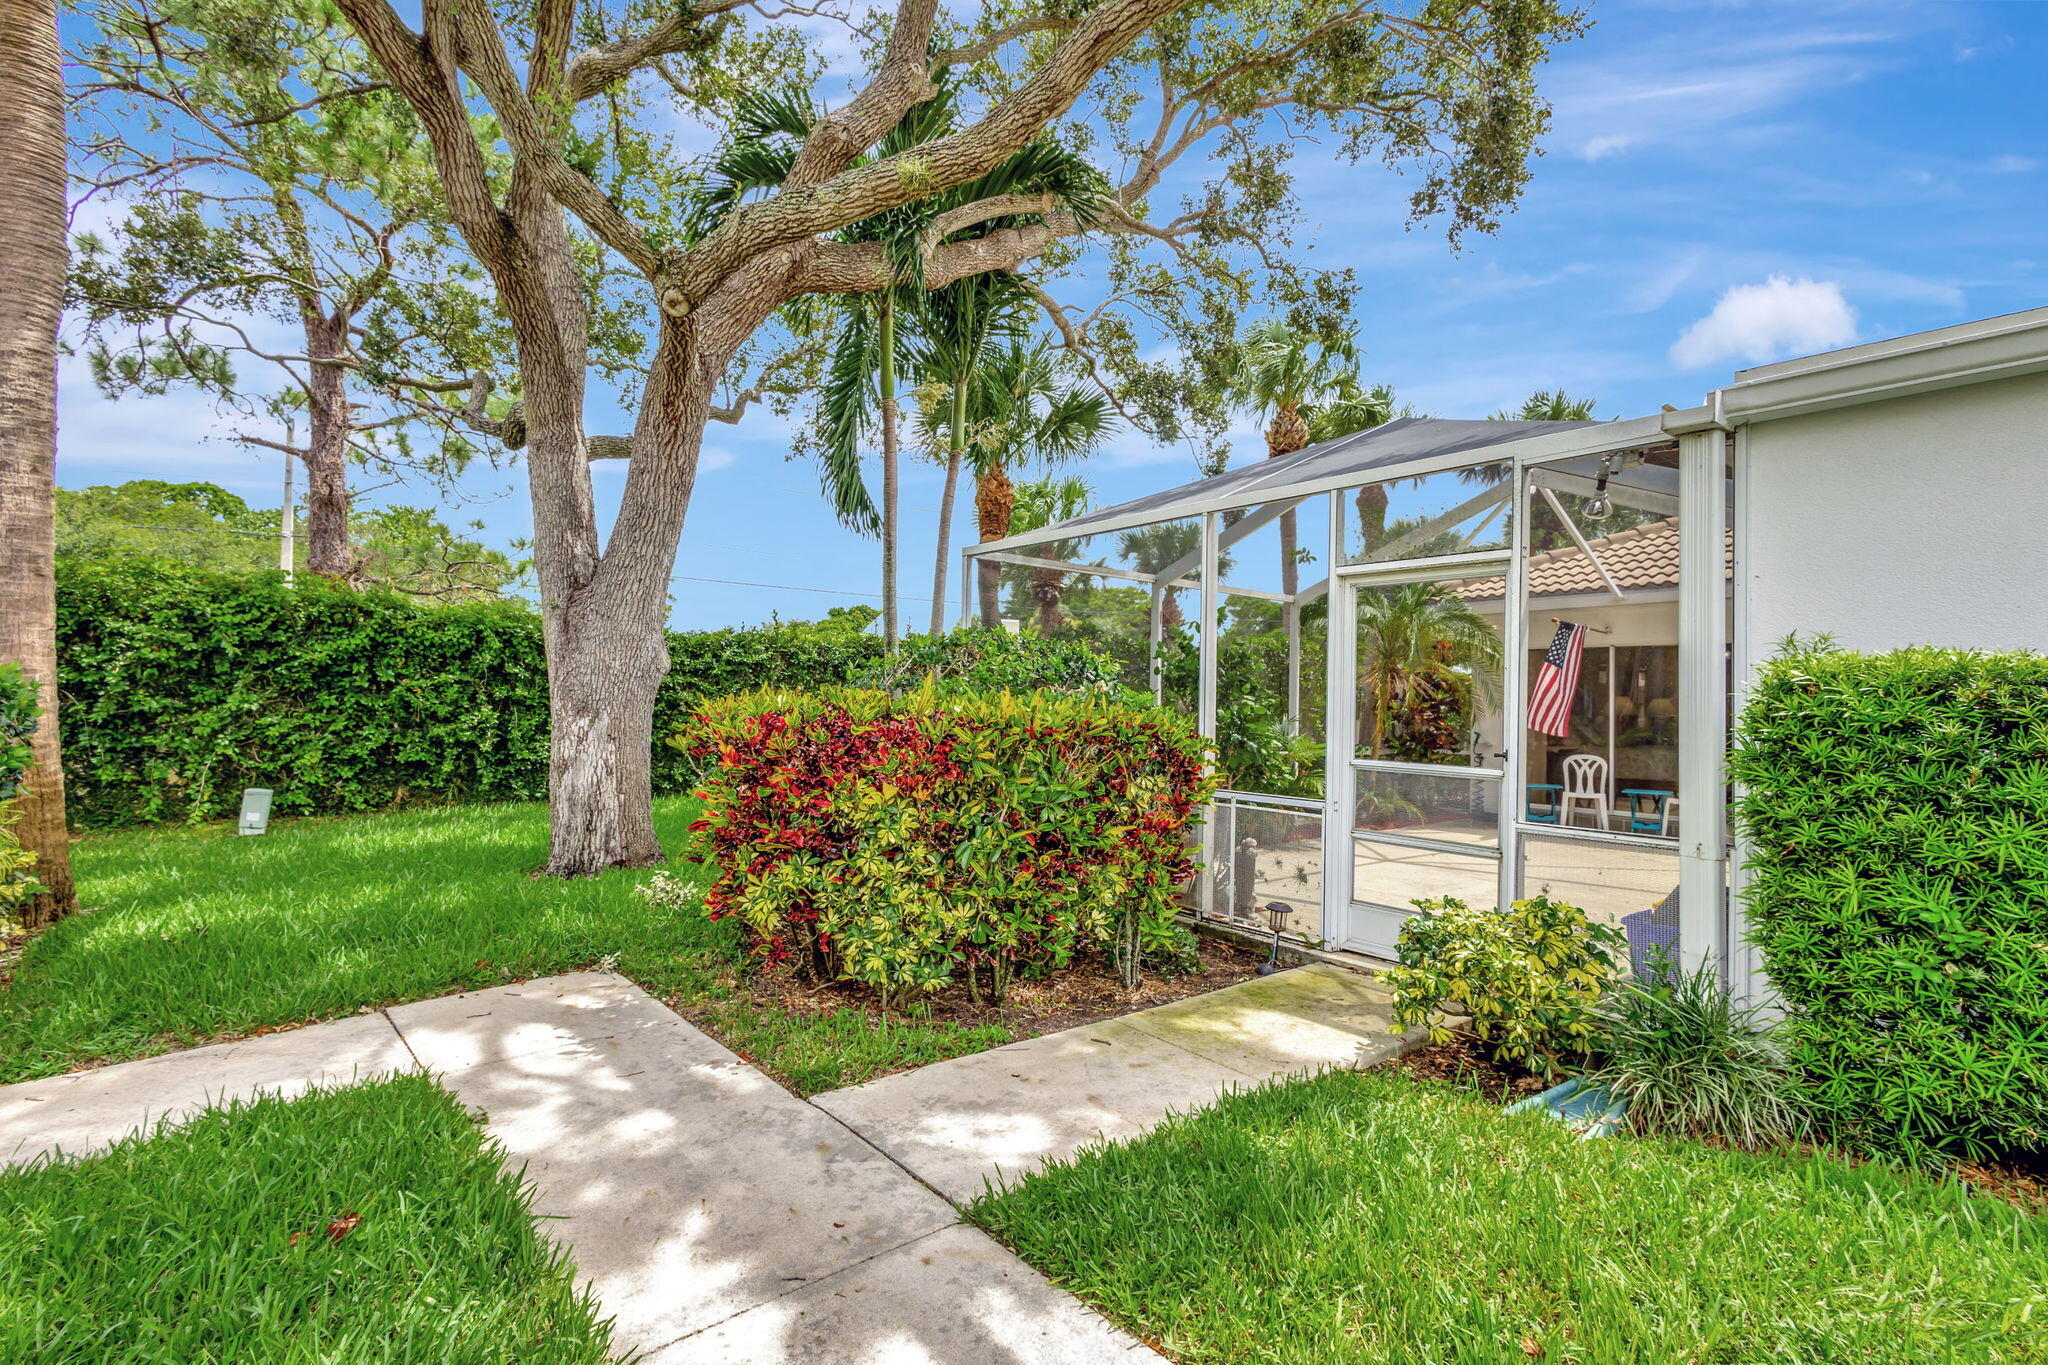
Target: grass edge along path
198,934
369,1223
1367,1217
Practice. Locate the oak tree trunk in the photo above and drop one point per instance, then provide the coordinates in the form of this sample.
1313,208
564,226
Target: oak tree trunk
31,289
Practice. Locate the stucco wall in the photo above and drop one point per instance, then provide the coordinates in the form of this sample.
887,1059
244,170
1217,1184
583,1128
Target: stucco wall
1919,520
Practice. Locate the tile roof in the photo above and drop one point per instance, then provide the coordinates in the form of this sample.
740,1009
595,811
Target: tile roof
1640,558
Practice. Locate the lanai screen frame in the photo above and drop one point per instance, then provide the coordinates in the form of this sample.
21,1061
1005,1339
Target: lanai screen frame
1697,491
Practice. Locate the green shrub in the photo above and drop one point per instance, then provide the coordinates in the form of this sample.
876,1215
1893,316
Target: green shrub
1693,1063
974,660
1530,977
182,686
1896,807
18,720
906,843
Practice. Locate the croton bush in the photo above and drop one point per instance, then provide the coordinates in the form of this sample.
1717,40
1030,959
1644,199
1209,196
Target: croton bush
911,842
1530,978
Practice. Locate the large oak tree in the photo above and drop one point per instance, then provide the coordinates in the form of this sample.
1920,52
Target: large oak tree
516,104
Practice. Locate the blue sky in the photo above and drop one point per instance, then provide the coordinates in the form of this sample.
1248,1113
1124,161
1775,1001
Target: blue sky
1724,184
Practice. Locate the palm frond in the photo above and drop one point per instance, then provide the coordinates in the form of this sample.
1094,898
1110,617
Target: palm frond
847,409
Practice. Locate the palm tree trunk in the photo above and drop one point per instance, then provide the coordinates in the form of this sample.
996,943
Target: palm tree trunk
955,454
1372,516
890,495
31,292
945,545
995,501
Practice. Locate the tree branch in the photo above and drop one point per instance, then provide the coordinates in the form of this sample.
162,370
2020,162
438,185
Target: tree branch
802,210
987,47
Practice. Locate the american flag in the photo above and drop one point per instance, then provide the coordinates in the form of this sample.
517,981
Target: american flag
1557,682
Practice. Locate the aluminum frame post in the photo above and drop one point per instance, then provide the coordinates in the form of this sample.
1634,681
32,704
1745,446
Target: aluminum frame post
1291,614
1702,703
1205,703
1155,635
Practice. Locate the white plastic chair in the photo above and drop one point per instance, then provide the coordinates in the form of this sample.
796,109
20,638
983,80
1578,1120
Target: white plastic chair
1585,779
1670,815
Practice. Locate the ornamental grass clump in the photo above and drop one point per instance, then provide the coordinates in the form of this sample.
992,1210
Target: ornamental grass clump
910,843
1896,807
1693,1063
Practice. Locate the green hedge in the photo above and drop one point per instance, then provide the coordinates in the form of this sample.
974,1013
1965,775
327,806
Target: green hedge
1897,808
907,843
182,686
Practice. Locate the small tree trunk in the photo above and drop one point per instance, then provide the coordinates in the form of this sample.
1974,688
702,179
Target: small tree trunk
890,494
954,456
31,292
945,542
328,551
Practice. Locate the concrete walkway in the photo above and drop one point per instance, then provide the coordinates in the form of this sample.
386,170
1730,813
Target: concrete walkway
721,1219
963,1124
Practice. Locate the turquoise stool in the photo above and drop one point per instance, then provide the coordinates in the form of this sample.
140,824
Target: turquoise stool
1639,820
1546,814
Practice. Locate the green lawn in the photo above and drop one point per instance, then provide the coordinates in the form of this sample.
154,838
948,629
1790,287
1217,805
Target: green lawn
201,934
1367,1217
212,1243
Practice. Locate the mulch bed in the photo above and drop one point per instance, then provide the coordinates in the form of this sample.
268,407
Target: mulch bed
1085,994
1463,1063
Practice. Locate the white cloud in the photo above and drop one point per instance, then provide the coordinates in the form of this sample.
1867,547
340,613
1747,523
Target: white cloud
2010,164
1759,322
1606,145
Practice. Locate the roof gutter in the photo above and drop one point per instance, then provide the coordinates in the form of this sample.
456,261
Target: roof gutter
1950,357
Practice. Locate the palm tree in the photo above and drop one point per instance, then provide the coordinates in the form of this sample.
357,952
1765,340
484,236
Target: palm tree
1151,549
1020,407
769,132
957,325
1353,408
1547,405
1416,637
1284,369
770,127
32,228
1042,502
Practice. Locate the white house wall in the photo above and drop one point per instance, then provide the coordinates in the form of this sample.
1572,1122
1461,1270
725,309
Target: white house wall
1919,520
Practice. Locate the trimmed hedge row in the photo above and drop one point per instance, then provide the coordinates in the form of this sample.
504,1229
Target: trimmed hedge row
182,686
908,843
1897,807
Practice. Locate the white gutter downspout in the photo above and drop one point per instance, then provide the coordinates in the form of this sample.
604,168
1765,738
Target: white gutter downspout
1703,916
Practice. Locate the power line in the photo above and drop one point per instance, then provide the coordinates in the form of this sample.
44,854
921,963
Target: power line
789,587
